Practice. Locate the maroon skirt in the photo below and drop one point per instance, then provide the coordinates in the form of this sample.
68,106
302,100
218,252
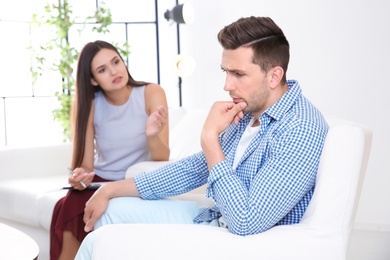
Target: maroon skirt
68,215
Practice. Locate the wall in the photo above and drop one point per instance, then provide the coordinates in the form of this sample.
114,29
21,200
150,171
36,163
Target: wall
339,54
133,22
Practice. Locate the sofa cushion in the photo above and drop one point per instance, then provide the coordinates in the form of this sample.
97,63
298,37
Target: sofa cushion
31,200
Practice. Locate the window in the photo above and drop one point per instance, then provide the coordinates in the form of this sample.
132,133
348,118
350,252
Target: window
25,110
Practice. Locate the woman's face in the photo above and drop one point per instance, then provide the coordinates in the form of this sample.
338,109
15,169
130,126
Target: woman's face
108,70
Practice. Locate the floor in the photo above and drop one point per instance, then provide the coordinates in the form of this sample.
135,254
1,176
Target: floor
369,245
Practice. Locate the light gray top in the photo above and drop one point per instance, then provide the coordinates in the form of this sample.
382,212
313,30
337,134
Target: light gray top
120,139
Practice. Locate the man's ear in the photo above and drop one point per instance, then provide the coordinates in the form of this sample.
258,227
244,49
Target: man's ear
276,74
93,82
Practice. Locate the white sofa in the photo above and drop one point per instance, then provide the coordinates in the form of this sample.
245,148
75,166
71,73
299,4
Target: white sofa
31,178
324,232
31,181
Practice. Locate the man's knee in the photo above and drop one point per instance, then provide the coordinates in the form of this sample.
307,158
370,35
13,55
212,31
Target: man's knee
126,210
86,248
117,212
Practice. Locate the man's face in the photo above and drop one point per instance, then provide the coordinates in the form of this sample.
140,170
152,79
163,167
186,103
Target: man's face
245,81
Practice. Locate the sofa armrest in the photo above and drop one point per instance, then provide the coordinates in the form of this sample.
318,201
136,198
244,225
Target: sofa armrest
172,241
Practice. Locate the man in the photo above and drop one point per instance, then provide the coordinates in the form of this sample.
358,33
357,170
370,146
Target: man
260,151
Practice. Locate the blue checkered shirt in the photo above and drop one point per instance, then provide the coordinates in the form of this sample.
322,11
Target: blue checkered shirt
274,180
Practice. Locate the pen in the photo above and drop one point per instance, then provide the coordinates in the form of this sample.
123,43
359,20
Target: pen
82,183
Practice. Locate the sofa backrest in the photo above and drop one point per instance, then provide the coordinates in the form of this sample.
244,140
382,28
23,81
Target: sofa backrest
18,162
185,130
340,177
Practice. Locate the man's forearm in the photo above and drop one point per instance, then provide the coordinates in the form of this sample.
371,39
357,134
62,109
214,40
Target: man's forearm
122,188
221,115
212,151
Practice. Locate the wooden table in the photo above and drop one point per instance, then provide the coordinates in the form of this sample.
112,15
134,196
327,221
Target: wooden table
16,245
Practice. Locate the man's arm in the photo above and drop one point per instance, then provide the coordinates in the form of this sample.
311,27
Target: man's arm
98,203
286,176
221,115
170,180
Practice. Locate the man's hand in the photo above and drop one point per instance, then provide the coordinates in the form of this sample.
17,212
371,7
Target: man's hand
94,208
98,203
220,116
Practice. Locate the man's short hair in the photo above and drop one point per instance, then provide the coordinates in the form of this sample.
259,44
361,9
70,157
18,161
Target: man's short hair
270,46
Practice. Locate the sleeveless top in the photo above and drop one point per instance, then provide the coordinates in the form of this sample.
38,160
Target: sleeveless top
120,139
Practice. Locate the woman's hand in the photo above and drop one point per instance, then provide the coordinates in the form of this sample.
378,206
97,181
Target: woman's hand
156,121
79,177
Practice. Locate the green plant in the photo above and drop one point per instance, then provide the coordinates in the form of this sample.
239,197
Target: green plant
57,54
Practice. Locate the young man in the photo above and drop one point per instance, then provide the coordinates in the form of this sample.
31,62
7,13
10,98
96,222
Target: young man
260,151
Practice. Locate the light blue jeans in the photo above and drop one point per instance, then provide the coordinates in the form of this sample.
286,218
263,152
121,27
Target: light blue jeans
135,210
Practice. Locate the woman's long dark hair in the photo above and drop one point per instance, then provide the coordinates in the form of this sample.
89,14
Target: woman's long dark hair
84,95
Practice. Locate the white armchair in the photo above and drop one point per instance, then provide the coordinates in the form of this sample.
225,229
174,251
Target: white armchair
323,233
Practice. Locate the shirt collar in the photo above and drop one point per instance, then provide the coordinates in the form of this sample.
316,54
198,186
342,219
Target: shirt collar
280,108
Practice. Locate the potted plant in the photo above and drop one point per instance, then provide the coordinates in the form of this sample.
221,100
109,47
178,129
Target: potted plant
59,17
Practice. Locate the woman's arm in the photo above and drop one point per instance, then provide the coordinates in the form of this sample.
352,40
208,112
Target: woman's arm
84,172
157,132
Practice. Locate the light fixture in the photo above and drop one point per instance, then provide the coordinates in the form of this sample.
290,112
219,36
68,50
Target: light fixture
184,65
183,13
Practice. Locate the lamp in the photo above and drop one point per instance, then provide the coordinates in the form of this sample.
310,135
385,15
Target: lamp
183,13
184,65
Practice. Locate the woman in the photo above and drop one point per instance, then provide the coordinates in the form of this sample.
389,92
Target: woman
118,121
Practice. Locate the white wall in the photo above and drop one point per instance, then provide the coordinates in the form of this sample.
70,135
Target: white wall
339,54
